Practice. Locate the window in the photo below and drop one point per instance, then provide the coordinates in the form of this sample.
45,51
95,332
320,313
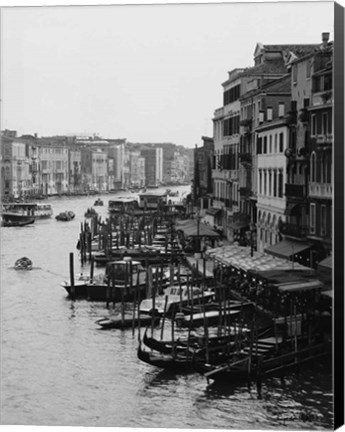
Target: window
306,103
265,145
294,74
281,109
313,167
280,185
313,124
312,218
269,113
270,149
265,183
323,220
259,146
260,182
275,143
261,116
274,184
324,123
308,68
281,142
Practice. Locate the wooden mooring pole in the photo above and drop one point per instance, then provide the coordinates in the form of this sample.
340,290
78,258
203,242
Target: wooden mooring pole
71,274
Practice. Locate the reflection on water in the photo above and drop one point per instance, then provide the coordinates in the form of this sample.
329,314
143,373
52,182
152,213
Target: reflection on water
58,368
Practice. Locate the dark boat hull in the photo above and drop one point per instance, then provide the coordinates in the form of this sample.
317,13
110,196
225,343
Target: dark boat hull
17,222
127,322
176,363
104,293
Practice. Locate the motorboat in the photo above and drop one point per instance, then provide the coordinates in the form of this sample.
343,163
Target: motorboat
175,296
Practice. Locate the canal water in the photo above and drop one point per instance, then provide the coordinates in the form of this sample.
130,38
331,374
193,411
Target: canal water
59,368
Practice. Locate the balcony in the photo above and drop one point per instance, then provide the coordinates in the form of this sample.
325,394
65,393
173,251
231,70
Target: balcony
225,174
293,230
322,98
324,140
296,191
245,158
219,113
321,190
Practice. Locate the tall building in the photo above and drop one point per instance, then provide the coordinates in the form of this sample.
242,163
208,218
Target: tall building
16,179
308,190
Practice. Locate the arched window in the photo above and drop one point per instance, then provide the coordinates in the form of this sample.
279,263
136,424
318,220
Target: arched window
263,219
313,167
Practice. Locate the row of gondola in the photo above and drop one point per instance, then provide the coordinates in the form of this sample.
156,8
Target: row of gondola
229,337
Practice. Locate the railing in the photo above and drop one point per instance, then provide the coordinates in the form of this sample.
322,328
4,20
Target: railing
225,174
323,139
293,230
294,190
320,190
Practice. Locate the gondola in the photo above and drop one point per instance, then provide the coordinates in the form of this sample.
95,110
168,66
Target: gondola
116,322
177,362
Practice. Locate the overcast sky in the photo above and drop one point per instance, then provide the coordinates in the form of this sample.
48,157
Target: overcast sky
145,73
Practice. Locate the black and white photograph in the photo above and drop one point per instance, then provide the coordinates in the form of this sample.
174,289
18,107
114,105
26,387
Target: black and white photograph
172,226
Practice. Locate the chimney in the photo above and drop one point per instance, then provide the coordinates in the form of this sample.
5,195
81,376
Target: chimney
325,38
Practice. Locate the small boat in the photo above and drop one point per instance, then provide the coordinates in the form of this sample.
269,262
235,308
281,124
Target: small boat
178,362
129,281
23,263
176,296
118,322
90,212
98,202
65,216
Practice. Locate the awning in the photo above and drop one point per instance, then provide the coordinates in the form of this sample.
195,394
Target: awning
300,286
287,248
326,264
191,229
292,210
240,258
238,225
328,293
213,211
